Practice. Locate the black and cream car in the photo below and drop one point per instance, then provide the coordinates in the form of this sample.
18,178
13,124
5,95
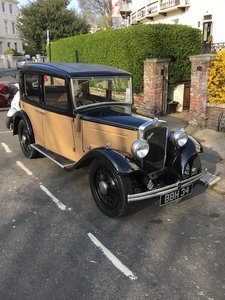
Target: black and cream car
81,115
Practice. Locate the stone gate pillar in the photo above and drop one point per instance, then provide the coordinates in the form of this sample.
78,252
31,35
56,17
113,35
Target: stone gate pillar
156,85
199,88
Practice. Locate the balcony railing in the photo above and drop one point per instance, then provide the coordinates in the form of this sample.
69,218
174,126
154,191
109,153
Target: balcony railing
174,4
157,7
145,12
213,48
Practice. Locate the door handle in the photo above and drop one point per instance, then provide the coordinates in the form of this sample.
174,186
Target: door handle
40,111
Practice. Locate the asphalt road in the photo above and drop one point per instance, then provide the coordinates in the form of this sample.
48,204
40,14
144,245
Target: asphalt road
56,244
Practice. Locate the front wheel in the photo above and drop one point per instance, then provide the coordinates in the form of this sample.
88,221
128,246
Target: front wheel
109,189
25,140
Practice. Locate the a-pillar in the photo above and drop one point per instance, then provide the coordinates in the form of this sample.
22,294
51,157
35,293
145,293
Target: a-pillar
156,85
199,88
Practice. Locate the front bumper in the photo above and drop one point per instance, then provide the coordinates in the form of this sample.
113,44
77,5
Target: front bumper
166,189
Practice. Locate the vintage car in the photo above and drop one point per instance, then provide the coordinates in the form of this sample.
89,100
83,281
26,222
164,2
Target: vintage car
81,115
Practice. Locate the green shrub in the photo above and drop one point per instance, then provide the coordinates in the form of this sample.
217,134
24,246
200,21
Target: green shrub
216,80
128,48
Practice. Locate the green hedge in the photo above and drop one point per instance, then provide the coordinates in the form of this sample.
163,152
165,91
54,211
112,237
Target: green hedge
128,48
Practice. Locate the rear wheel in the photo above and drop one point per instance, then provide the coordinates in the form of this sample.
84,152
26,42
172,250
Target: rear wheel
108,188
26,140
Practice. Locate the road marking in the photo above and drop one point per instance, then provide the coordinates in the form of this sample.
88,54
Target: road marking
54,199
115,261
24,168
6,147
6,131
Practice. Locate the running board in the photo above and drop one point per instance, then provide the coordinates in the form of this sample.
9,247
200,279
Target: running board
56,158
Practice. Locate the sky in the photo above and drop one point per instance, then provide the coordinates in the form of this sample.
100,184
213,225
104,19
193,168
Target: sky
73,3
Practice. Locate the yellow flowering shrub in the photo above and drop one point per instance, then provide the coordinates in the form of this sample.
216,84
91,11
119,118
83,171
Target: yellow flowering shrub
216,80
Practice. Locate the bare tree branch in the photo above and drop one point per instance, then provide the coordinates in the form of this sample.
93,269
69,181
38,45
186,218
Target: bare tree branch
97,11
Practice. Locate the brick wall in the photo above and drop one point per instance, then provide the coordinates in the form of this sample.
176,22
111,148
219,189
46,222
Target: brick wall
154,100
214,117
199,94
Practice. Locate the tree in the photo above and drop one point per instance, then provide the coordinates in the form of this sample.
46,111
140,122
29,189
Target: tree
97,12
41,15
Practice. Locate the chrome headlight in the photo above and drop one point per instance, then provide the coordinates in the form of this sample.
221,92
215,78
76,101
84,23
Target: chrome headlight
140,148
180,138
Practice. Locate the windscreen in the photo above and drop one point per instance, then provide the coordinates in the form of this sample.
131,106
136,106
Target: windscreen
99,90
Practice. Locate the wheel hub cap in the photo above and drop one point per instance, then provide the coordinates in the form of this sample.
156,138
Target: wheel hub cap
24,139
103,187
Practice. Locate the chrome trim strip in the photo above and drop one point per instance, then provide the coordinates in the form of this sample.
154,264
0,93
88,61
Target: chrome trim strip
154,122
166,189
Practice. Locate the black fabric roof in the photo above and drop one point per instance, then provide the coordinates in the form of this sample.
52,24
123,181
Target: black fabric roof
74,69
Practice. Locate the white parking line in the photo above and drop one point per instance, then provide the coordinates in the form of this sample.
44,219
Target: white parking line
54,199
8,131
6,147
24,168
115,261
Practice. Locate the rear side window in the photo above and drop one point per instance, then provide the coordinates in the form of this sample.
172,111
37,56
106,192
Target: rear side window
55,92
31,86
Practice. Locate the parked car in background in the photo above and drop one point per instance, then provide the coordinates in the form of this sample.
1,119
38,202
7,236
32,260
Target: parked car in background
14,107
81,115
22,61
4,95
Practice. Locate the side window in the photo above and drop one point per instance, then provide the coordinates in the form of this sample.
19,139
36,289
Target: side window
55,92
31,86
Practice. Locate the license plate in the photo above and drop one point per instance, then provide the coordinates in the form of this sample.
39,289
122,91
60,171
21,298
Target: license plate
176,195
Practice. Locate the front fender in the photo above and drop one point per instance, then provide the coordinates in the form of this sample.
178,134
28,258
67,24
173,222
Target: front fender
182,156
118,161
21,115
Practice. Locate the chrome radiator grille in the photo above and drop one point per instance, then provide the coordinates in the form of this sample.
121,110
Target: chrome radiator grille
157,139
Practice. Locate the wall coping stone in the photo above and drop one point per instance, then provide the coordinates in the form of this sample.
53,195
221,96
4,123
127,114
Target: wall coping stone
222,105
158,60
206,57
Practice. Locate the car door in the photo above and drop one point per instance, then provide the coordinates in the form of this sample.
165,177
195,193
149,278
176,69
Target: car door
57,117
31,104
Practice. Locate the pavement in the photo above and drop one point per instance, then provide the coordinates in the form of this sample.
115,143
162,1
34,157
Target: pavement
213,142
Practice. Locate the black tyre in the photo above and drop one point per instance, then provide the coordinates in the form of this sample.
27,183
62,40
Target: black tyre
26,141
8,122
108,188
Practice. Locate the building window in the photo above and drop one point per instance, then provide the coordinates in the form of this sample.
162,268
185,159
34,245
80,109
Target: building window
8,44
207,32
10,9
207,29
13,28
6,26
3,6
15,44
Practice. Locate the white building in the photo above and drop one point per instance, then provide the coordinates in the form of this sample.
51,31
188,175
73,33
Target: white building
9,38
207,15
